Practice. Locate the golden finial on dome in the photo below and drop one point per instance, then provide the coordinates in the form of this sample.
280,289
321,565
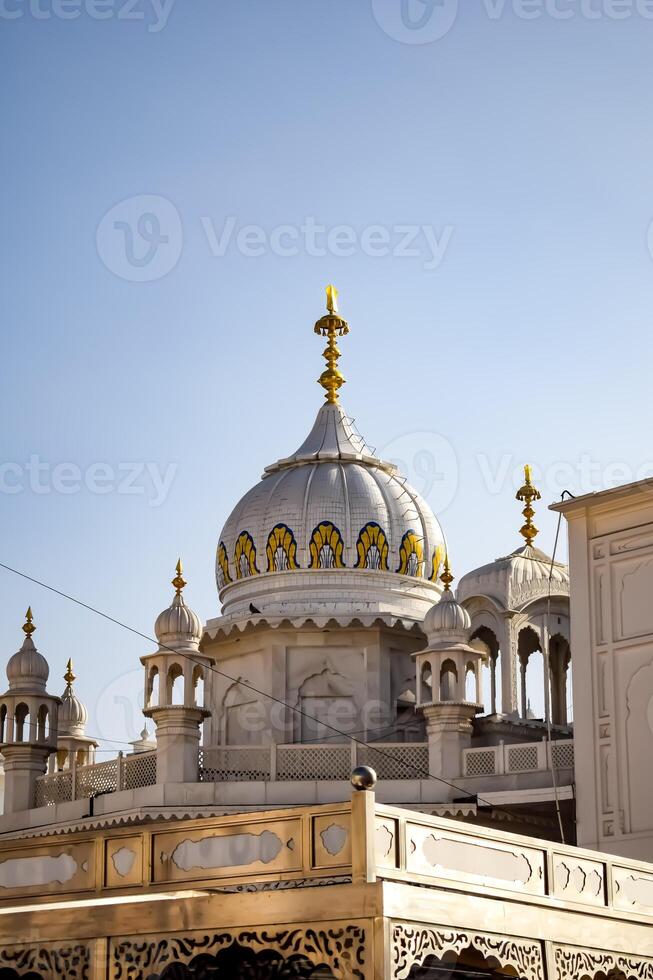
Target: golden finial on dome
332,325
178,581
28,627
527,494
446,578
69,677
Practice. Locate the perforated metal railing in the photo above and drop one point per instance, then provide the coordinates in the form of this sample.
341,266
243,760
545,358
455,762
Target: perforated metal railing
499,760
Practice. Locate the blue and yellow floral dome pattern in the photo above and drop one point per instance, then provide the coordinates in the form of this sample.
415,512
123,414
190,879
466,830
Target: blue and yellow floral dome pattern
330,506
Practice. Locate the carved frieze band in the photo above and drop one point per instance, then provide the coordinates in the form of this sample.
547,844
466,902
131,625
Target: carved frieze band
340,948
576,964
412,945
50,963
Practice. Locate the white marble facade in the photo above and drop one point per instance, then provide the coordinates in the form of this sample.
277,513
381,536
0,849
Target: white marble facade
611,562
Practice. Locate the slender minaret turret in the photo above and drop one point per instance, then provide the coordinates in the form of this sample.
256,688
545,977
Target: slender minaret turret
176,666
28,722
73,744
442,670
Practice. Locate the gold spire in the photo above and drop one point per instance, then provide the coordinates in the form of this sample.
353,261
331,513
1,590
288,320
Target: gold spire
69,677
29,626
332,325
527,494
446,578
178,581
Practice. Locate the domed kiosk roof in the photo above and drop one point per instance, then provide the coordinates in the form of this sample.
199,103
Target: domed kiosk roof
523,576
332,528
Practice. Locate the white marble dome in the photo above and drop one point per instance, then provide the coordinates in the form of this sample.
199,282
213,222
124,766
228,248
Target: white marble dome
27,670
73,714
447,621
178,625
330,528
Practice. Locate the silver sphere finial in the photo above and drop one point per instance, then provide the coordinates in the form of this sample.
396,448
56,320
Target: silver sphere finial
363,777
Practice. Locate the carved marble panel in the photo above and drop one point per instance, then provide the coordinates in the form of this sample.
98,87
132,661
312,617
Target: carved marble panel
413,945
487,862
228,851
339,947
578,880
123,862
386,842
632,587
638,681
41,870
632,890
332,840
70,962
573,963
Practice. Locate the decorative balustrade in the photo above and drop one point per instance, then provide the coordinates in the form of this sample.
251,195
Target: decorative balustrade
292,763
500,760
84,782
283,763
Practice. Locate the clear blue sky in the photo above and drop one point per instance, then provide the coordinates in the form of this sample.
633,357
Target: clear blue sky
524,146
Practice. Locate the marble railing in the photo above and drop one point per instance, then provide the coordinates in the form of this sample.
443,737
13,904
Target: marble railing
271,763
268,763
357,841
83,782
499,760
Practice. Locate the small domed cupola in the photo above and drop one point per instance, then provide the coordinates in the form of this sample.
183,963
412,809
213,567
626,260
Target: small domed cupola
448,682
28,723
74,746
28,670
174,689
178,625
73,713
446,623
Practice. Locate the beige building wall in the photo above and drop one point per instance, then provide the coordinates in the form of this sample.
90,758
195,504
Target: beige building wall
611,572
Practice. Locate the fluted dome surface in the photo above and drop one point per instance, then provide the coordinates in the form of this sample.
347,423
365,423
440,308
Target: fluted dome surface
516,579
447,619
73,714
27,670
333,505
178,624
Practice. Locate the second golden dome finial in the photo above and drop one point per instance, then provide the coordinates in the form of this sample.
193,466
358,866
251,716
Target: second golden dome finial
527,494
28,627
332,325
446,578
178,581
69,677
